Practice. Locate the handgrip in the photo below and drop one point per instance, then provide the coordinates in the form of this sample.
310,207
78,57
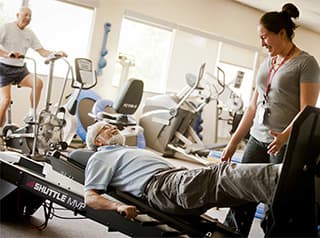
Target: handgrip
53,57
12,55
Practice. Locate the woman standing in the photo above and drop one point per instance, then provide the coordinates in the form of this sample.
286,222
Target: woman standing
287,81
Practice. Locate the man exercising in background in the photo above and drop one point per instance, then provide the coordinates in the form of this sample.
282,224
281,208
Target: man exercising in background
15,40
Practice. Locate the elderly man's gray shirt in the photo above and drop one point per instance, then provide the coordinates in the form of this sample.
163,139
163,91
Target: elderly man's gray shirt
128,169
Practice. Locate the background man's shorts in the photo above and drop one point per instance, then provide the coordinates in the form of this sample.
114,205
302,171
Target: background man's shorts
12,74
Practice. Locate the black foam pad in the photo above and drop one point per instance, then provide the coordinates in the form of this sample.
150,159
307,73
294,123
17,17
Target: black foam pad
129,97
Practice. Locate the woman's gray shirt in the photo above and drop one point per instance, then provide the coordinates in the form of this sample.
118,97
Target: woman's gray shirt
284,94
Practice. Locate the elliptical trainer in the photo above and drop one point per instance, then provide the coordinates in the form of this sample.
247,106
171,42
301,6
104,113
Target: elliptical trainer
168,119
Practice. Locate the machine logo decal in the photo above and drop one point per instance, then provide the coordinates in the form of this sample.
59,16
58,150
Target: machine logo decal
56,194
128,105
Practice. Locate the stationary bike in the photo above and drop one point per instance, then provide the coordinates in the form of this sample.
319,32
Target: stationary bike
46,131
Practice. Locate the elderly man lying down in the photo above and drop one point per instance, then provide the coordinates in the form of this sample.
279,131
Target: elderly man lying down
178,191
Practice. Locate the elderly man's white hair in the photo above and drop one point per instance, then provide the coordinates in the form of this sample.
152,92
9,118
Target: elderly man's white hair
24,8
92,132
95,129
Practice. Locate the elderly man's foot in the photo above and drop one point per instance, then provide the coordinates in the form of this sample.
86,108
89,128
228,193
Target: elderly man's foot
28,119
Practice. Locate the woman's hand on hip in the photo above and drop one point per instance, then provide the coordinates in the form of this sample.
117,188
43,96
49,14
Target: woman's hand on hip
279,139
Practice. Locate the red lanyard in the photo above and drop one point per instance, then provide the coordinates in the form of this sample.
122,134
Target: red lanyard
271,75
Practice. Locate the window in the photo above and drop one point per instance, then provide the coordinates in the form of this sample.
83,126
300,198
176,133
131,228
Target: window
189,52
161,53
8,10
55,29
239,80
238,64
144,54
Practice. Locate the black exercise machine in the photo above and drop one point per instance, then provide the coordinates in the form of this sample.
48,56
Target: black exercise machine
295,211
124,106
295,208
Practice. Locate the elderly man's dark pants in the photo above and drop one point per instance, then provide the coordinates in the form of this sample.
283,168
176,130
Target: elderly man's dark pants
240,218
194,191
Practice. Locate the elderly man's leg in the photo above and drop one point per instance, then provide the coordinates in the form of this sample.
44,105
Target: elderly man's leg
248,182
27,81
5,98
241,217
222,185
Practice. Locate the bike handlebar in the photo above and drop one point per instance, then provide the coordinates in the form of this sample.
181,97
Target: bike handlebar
53,57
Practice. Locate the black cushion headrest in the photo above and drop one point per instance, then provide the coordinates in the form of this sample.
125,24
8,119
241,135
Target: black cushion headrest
81,156
129,97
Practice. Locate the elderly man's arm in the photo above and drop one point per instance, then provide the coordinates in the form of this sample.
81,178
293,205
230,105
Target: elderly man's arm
96,201
45,53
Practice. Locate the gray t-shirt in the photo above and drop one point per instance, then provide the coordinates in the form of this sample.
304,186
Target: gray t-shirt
12,38
284,94
126,168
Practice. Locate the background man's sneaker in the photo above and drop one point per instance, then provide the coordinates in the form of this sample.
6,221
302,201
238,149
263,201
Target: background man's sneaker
28,119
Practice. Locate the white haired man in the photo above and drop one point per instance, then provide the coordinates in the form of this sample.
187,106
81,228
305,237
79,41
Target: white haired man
178,191
15,40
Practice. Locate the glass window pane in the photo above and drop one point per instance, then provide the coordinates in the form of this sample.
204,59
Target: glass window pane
189,52
239,80
148,48
8,10
235,55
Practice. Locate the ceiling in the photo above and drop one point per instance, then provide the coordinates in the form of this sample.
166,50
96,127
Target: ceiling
309,10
